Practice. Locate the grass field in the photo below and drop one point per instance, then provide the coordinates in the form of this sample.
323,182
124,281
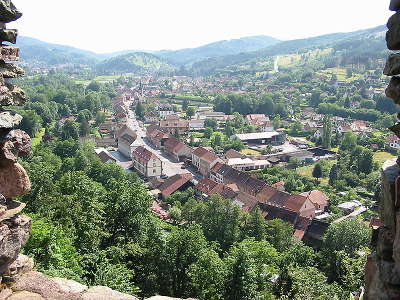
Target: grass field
307,171
248,151
341,74
38,138
381,157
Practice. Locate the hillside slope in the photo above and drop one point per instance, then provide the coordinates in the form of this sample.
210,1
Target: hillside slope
368,41
220,48
137,62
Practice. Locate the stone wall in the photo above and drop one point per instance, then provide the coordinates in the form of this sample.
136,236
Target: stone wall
382,271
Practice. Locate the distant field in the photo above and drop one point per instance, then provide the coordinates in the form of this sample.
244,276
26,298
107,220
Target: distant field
103,78
341,74
307,171
381,157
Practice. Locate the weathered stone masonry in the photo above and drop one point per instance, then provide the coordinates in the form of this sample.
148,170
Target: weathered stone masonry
382,271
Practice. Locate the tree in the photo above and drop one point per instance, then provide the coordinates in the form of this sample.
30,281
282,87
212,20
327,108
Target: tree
327,132
208,275
241,275
255,226
190,112
317,171
70,130
208,132
139,111
185,105
31,122
279,234
176,214
84,128
333,174
349,141
212,123
294,162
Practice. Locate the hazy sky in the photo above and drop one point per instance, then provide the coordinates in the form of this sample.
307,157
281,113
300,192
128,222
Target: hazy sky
106,26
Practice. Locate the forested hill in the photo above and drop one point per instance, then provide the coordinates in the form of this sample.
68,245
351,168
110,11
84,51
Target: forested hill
217,49
37,51
137,62
360,43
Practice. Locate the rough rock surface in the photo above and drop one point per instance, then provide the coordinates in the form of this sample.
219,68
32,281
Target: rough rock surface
392,66
15,143
393,34
14,234
166,298
105,293
9,120
394,5
8,11
10,70
393,90
14,181
9,35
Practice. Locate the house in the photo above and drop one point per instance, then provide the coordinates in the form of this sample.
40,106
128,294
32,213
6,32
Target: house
196,125
394,142
105,156
207,187
156,137
177,149
262,138
301,205
164,110
266,126
202,115
126,143
318,198
150,117
257,119
349,206
204,160
247,164
232,153
178,182
175,126
146,162
216,174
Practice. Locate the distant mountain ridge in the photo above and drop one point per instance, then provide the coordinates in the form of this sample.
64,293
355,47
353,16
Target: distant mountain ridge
201,60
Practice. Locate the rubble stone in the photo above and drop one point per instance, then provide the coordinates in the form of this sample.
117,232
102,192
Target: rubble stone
13,236
392,66
8,11
393,90
14,181
24,295
384,248
9,52
15,143
9,120
8,70
105,293
393,34
9,35
394,5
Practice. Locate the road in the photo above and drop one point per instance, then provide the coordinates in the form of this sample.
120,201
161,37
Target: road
170,167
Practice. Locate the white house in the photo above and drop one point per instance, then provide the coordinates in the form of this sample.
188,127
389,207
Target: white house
146,162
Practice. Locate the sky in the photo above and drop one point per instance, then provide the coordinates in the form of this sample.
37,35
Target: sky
107,26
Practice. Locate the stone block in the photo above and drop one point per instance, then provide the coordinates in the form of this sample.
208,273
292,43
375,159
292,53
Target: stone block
393,90
13,236
394,5
390,172
105,293
9,120
385,242
392,66
393,34
5,293
9,35
24,295
8,11
14,181
9,52
16,143
8,70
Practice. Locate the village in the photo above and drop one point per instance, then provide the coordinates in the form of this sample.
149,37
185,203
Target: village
165,144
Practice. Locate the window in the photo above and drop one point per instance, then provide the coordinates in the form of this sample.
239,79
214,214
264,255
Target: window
154,171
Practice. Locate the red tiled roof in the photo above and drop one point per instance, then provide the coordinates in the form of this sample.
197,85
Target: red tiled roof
295,202
316,197
141,153
208,186
205,155
105,156
173,143
172,184
216,167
